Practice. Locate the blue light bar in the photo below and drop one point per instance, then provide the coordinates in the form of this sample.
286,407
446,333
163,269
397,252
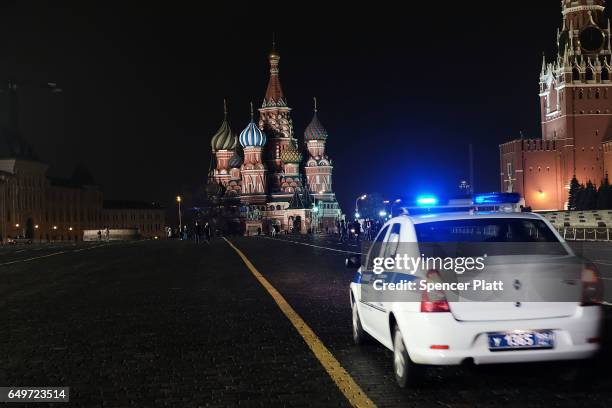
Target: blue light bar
497,198
426,200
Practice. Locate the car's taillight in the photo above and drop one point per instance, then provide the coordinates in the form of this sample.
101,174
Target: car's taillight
434,301
591,286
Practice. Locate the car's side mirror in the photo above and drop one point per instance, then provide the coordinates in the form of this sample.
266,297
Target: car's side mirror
353,262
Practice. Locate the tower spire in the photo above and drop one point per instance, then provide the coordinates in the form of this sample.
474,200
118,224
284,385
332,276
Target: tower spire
314,98
274,92
251,103
224,108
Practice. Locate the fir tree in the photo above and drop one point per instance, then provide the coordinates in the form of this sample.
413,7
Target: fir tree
589,197
604,194
574,193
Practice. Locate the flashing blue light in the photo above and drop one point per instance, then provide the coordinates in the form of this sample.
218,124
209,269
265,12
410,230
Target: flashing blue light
427,200
382,213
357,215
497,198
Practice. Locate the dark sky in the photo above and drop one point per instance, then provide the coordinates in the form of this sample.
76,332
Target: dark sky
401,91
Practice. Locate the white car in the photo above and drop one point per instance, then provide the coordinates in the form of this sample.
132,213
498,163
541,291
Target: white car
437,331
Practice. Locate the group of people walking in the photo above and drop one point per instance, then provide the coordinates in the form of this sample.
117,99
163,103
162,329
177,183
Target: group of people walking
200,232
106,234
358,230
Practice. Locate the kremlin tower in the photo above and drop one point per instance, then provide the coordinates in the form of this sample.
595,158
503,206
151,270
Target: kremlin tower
576,114
264,167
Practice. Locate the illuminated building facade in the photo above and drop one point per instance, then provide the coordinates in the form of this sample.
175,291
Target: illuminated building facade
279,184
40,208
576,114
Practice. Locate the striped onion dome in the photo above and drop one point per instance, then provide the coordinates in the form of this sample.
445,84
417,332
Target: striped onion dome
252,136
224,139
315,130
291,154
236,160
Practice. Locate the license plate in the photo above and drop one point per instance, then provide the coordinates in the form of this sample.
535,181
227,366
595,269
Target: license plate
521,340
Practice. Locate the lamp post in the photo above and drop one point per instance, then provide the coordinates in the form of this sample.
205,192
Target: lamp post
178,200
363,197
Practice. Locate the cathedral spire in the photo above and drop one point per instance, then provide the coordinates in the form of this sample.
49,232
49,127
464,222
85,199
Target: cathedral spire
274,92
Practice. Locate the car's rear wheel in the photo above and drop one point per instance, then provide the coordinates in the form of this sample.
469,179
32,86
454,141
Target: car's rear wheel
359,335
407,373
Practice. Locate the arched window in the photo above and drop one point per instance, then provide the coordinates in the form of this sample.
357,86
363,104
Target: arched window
589,74
575,74
605,74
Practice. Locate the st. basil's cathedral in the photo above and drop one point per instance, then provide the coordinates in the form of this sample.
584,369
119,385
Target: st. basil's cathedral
278,184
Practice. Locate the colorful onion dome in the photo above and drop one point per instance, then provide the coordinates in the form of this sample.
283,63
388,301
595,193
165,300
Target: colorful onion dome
315,130
224,138
291,154
236,160
252,136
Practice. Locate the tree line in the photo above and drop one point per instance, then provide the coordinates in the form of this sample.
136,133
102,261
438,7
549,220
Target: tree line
588,197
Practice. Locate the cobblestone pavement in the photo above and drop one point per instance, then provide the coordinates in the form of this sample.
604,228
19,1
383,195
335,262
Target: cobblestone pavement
153,324
175,324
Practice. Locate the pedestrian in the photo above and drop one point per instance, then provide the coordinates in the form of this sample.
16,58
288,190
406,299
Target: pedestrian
169,232
99,235
107,234
207,232
357,228
184,233
197,232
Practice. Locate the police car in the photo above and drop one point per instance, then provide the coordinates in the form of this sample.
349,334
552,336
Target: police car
439,327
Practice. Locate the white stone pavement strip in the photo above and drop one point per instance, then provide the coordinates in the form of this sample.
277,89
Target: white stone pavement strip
314,246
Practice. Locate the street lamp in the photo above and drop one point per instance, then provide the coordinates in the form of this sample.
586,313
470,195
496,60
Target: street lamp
363,197
178,200
383,213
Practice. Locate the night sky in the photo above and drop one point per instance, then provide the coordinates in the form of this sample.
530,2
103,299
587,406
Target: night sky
402,92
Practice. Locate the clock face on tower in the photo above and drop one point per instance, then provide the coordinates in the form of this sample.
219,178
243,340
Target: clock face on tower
591,38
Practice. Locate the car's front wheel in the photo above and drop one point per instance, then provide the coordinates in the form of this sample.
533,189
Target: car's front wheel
407,373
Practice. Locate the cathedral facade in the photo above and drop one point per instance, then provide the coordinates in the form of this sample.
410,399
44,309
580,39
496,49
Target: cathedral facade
281,182
576,114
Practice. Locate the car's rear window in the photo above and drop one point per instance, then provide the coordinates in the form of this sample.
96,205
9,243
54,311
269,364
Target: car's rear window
493,236
486,230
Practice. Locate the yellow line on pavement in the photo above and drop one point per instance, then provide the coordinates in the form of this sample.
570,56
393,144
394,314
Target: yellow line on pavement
351,390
